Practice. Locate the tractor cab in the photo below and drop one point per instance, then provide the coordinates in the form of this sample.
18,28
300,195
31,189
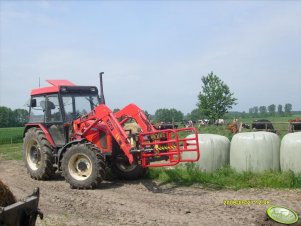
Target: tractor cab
56,106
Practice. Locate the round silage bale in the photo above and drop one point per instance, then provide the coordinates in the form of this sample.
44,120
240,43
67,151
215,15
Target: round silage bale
290,152
214,152
255,152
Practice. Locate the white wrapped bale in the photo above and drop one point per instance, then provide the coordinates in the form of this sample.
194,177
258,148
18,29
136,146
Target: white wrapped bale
255,152
214,152
290,152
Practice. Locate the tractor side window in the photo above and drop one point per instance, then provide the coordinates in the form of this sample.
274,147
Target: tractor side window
37,110
52,110
68,106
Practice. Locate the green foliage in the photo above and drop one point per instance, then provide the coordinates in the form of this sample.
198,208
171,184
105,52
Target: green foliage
11,135
194,115
11,151
280,111
5,116
215,99
288,109
272,109
263,110
225,178
168,115
12,118
148,115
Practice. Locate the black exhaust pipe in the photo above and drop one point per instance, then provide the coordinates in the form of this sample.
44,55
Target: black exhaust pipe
102,97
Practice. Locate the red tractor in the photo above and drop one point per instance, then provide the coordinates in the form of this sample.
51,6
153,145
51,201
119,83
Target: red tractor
71,130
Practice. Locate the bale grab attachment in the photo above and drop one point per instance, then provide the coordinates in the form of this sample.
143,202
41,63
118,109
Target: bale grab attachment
166,147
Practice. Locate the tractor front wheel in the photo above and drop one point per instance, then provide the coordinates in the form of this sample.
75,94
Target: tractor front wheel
83,166
37,154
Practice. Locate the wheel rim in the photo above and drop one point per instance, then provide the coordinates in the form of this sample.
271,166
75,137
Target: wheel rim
80,166
33,155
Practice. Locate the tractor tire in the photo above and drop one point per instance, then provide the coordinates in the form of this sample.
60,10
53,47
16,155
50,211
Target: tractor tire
121,167
83,166
124,170
38,155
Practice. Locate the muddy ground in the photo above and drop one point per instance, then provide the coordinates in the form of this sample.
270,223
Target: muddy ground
144,202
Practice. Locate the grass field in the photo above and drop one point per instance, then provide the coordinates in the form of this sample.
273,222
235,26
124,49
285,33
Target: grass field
225,178
11,135
11,151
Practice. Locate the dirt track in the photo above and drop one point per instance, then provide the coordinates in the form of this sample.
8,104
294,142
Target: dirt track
143,202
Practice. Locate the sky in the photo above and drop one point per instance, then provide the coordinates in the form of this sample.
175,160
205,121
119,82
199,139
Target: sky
153,53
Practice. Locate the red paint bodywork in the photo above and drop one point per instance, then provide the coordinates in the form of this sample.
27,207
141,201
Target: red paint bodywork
43,128
52,89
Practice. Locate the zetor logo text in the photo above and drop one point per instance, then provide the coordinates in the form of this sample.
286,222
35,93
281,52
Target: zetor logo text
282,215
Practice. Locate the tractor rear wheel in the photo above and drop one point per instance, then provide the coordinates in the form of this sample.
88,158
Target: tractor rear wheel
83,166
37,154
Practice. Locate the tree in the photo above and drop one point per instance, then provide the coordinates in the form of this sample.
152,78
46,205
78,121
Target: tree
161,115
195,115
215,98
12,118
175,115
288,109
263,110
272,109
256,110
5,117
116,110
280,111
147,114
251,111
20,117
168,115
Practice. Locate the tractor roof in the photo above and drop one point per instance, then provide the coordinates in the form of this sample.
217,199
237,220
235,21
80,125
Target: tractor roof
52,89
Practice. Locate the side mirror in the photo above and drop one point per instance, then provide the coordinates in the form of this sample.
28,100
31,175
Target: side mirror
33,103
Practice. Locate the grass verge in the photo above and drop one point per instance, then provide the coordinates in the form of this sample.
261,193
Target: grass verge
225,178
11,151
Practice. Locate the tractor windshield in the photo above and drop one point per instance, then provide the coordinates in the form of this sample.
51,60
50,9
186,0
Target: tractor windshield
77,105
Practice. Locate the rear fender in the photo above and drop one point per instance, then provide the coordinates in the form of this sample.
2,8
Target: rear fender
43,128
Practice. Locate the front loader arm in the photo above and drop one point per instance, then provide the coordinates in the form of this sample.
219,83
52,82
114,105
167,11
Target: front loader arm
154,145
134,112
105,115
